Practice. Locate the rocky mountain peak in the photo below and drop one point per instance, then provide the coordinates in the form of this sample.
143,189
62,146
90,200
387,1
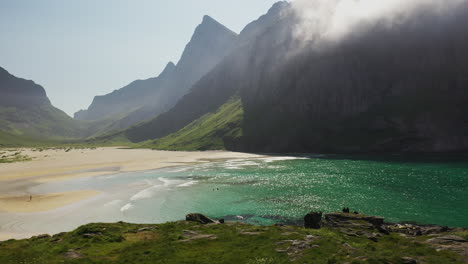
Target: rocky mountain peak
170,67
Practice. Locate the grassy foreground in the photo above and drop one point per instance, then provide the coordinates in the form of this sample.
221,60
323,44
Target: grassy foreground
187,242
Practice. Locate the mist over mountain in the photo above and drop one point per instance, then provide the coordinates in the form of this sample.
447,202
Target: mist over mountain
397,88
26,110
305,77
144,99
383,87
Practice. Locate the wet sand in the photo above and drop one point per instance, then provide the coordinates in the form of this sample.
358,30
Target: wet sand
42,202
52,165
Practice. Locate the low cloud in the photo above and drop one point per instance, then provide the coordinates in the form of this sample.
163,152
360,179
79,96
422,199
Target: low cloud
331,21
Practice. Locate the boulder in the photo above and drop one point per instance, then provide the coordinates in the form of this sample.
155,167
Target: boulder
448,239
44,236
202,219
313,220
408,260
335,219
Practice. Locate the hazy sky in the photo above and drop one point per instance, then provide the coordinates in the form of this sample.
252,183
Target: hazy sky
77,49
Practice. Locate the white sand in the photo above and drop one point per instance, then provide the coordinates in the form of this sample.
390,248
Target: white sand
58,165
51,165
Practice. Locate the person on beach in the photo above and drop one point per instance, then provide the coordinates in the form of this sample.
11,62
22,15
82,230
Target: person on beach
30,198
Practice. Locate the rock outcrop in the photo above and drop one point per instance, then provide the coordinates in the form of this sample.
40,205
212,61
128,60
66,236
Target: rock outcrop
450,242
313,220
199,218
338,219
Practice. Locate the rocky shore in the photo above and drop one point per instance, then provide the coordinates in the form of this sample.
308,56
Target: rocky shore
341,237
373,228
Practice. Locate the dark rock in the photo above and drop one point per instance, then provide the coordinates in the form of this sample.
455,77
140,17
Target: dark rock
337,218
221,221
296,247
91,235
313,220
44,236
189,236
452,243
447,240
407,260
202,219
416,230
372,237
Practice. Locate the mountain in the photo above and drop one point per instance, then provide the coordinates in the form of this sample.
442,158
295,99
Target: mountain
215,88
128,98
387,89
25,110
144,99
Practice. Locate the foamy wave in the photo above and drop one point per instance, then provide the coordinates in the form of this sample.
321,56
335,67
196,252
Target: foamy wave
180,169
187,184
273,159
113,203
238,164
165,181
145,194
151,191
126,207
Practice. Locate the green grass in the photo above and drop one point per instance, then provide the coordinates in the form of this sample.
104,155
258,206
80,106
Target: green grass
210,132
226,243
12,155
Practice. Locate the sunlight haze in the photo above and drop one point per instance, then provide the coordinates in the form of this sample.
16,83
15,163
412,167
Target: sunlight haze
79,49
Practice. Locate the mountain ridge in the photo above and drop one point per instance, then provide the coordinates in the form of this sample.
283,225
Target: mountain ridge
209,43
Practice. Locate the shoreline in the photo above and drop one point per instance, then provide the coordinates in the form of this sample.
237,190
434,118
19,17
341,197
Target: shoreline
344,236
55,165
59,164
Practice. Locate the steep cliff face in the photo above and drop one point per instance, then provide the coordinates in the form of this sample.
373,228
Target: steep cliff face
26,110
142,100
216,87
387,89
402,88
20,92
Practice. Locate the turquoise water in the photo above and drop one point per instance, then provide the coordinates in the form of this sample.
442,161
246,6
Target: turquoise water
431,191
265,191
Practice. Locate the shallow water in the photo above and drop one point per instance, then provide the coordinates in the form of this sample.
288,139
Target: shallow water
430,190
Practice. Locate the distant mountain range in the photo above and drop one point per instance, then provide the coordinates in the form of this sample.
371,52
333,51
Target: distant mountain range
144,99
26,111
388,89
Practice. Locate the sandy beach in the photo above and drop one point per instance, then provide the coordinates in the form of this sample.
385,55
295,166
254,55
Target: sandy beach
55,165
58,164
42,202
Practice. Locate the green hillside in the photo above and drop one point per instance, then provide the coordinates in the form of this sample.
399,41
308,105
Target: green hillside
210,132
43,121
186,242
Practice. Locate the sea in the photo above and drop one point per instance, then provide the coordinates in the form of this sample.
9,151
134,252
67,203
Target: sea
265,191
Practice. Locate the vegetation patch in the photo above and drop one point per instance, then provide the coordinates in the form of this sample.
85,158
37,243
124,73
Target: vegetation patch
212,131
12,155
189,242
